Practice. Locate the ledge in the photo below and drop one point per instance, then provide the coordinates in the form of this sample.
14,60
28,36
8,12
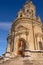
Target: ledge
34,51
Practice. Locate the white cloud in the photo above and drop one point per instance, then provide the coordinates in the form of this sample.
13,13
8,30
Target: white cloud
5,25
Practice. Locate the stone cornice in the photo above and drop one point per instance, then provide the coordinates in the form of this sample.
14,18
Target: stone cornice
26,20
34,51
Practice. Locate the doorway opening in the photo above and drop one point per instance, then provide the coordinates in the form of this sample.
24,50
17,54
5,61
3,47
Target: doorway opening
21,47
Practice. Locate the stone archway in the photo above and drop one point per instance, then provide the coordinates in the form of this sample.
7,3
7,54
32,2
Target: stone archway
21,47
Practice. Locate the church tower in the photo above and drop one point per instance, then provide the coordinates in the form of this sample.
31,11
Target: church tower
26,31
25,39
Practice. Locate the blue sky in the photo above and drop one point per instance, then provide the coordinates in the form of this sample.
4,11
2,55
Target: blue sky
8,12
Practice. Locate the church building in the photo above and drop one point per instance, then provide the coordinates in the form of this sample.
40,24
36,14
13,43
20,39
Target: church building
25,39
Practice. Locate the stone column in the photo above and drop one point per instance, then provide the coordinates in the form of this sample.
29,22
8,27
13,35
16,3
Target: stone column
12,42
27,38
36,42
33,30
8,46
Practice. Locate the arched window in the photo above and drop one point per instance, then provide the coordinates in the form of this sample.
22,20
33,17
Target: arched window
27,10
21,15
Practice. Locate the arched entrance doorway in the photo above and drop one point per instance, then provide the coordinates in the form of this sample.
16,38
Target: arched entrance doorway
21,47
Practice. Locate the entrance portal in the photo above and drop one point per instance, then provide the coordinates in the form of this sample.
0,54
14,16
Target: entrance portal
21,47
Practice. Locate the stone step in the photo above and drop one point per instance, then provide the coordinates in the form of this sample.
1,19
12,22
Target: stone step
22,61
